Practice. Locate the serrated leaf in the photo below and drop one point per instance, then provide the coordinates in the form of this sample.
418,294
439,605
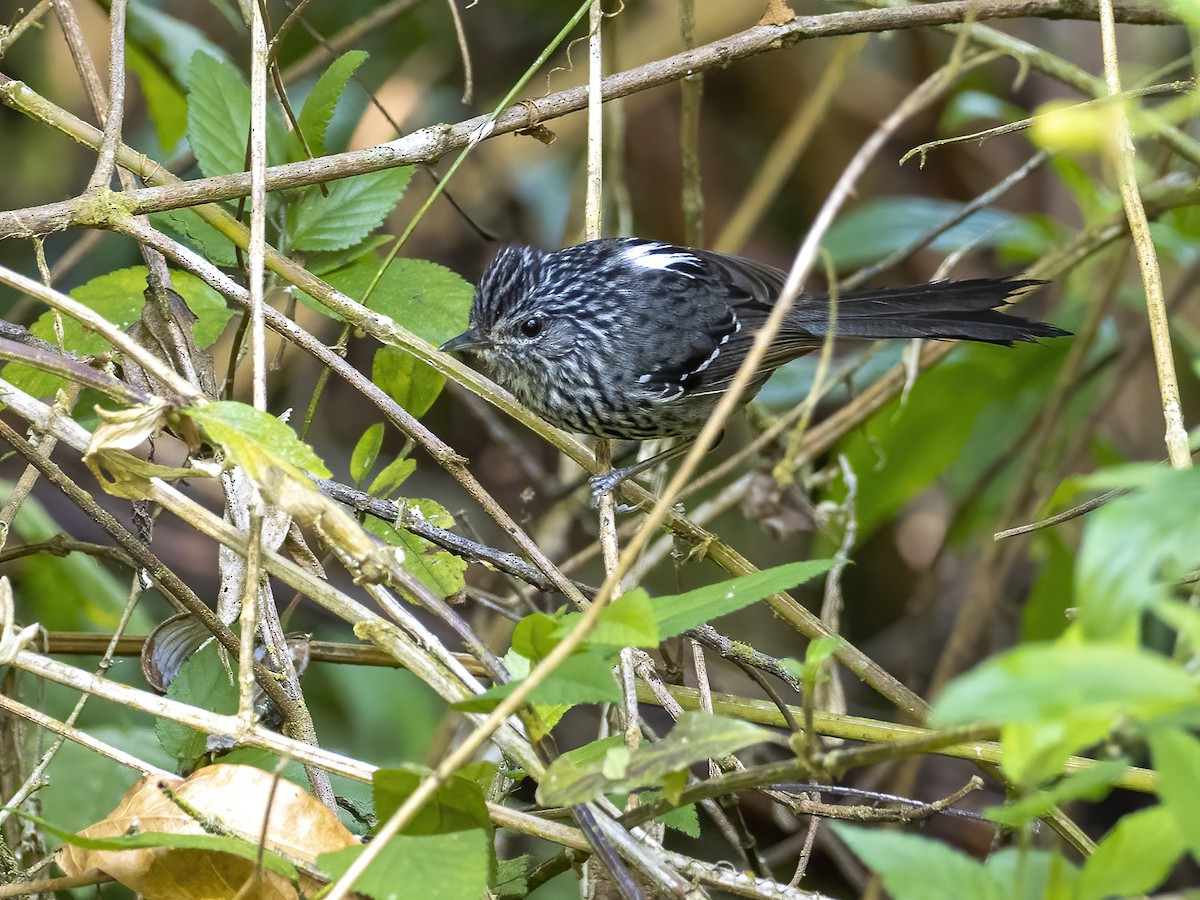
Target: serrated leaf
419,867
578,777
353,209
406,379
585,677
219,117
253,439
1065,682
512,877
204,682
918,868
1135,857
319,106
366,452
440,571
677,614
458,804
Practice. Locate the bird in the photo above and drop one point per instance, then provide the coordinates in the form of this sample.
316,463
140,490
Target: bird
637,339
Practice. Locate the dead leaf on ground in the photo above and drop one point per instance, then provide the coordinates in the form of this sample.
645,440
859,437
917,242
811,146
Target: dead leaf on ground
235,798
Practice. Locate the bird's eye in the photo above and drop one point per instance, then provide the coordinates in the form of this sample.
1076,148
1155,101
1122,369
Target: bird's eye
532,326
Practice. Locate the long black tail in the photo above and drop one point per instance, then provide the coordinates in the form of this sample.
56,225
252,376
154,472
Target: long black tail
948,310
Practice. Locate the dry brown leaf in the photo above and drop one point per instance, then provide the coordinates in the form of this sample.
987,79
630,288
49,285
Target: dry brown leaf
300,828
777,13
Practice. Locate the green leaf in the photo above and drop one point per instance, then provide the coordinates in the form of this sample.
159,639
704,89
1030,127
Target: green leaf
118,297
1036,752
677,614
406,379
353,209
219,117
578,777
432,867
512,877
585,677
917,868
1133,550
458,805
165,100
318,107
203,681
879,227
253,439
684,819
970,106
1135,857
1065,682
1032,874
536,635
198,234
626,622
392,476
429,300
366,452
1092,783
440,571
1176,755
324,262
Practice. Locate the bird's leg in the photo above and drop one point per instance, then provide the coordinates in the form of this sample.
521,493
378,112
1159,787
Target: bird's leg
604,484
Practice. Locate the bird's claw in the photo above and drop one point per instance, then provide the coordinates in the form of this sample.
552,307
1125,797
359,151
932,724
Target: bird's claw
605,484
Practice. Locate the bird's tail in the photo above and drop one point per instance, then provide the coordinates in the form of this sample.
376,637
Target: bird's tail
946,310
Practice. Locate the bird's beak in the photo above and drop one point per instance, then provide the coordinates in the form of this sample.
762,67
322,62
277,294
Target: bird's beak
470,339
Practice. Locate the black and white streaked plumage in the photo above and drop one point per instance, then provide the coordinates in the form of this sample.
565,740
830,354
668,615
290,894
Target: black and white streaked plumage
637,339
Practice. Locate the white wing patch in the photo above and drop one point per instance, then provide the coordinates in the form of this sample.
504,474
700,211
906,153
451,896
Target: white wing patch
653,255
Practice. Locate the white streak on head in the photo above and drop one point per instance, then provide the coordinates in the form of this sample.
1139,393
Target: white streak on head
653,255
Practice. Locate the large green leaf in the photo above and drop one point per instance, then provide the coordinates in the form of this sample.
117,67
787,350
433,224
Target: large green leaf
438,570
918,868
585,677
1135,857
406,379
205,682
1135,547
353,208
458,804
1176,755
452,866
119,297
609,766
254,439
1064,682
219,117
